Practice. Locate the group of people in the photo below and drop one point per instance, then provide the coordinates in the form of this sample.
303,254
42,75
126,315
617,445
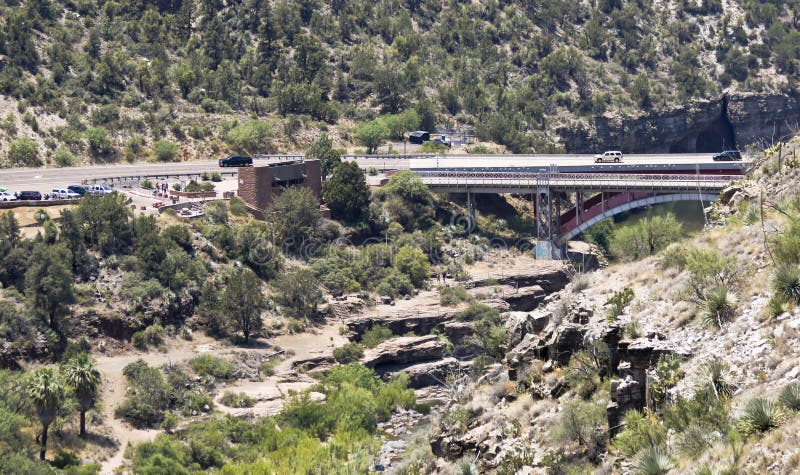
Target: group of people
161,188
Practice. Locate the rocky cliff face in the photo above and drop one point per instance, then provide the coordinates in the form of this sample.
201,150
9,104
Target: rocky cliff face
735,120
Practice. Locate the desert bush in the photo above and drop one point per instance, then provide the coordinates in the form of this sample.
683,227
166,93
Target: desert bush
653,461
194,187
718,374
719,306
583,422
453,295
708,270
210,365
63,157
237,207
760,415
696,439
640,431
786,283
376,335
348,353
152,335
776,306
165,151
148,395
232,399
586,368
631,330
646,237
617,302
790,397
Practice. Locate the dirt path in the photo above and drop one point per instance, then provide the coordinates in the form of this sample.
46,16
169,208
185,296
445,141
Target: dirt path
269,392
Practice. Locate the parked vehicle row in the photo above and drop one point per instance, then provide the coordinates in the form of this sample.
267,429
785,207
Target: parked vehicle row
69,193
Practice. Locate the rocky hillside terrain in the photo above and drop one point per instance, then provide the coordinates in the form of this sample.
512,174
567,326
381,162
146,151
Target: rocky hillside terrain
682,362
98,81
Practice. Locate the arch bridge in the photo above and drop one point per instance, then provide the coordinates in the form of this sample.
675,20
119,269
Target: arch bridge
598,195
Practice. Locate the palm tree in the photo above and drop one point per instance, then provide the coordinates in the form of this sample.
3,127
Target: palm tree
47,393
81,374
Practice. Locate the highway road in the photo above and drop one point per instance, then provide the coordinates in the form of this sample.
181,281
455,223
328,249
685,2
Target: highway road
44,179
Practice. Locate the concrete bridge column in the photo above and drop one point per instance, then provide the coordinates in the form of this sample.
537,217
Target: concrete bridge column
471,210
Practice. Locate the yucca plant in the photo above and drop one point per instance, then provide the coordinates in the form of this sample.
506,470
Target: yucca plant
777,305
790,397
760,415
719,306
653,461
718,373
786,282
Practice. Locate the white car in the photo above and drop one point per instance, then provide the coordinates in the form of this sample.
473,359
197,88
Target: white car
99,190
7,196
610,156
63,194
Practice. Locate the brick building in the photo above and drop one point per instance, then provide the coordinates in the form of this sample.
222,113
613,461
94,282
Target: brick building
259,184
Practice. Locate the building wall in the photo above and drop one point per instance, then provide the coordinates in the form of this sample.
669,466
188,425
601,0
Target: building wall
256,183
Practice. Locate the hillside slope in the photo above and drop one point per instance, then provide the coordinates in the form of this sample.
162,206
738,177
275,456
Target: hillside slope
101,80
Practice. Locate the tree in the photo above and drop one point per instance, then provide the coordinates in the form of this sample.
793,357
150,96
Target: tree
323,151
346,193
371,134
81,374
298,292
412,262
47,394
241,302
294,218
99,143
48,282
250,137
24,152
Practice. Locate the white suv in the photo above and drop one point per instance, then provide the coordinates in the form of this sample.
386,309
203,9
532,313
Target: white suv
7,196
610,156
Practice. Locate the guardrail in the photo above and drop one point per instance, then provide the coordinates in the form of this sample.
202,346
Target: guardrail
157,176
261,156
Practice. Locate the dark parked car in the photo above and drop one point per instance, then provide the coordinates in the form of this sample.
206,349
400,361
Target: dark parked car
81,190
236,161
29,195
419,136
728,156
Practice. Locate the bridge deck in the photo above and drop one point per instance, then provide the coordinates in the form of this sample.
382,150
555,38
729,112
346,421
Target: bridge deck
525,183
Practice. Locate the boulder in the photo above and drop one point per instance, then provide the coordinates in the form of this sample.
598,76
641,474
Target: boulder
456,331
316,363
567,339
403,350
519,324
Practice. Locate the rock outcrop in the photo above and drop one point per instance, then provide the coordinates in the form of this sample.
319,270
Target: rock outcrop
403,350
525,299
418,323
737,119
422,375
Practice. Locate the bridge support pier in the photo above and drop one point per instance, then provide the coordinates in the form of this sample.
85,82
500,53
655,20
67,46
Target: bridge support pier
471,211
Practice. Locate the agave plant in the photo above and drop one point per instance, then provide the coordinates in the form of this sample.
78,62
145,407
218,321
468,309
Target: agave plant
760,415
790,397
653,461
718,373
786,282
719,306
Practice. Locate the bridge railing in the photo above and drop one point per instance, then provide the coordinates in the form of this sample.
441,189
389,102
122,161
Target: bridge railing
576,180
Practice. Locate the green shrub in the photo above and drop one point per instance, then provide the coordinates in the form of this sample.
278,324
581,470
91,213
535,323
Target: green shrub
640,431
24,152
790,397
63,157
586,367
653,461
210,365
776,306
237,207
250,137
375,336
165,151
786,283
453,295
717,372
152,335
646,237
348,353
240,400
147,184
268,367
583,422
760,415
193,187
719,306
617,302
148,395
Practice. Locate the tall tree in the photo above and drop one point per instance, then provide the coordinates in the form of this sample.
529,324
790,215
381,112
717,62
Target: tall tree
242,302
346,193
299,293
48,282
82,376
323,151
47,394
294,218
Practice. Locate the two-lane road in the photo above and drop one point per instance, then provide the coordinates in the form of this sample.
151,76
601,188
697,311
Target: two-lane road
44,179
